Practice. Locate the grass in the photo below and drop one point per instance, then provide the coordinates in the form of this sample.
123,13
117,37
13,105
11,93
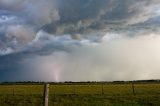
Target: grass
81,95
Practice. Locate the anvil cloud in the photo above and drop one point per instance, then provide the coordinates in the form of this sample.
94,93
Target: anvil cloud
79,40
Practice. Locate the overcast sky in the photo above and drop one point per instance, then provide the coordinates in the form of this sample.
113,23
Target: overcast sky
79,40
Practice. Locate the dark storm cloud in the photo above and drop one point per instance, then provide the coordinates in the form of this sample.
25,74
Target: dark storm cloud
37,30
10,66
85,16
80,16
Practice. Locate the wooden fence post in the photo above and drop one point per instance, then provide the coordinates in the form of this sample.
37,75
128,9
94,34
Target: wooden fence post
74,89
13,92
102,89
46,94
133,90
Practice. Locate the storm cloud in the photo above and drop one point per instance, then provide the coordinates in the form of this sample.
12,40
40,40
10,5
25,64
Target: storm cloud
79,40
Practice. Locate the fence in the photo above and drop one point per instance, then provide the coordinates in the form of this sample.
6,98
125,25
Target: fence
80,94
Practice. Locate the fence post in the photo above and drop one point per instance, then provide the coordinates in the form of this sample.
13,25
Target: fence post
45,94
133,90
74,89
13,93
102,89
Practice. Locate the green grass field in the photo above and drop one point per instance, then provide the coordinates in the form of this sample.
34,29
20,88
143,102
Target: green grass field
81,95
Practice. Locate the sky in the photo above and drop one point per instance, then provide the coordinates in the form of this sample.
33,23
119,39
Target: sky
79,40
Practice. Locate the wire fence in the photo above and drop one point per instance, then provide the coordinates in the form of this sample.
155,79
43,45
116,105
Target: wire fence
81,95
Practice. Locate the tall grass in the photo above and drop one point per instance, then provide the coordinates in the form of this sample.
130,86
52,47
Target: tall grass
81,95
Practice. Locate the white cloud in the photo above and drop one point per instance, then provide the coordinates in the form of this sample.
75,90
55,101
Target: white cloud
6,51
120,59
